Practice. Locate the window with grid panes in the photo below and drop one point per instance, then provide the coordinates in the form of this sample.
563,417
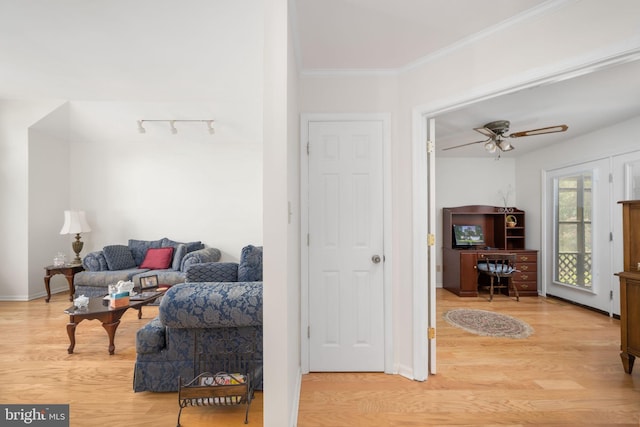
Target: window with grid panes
573,215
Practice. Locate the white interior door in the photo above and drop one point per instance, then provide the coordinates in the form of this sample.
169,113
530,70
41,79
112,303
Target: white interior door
431,225
626,186
593,272
345,246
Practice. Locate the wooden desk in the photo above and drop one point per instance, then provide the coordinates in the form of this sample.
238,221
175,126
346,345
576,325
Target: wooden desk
68,270
460,274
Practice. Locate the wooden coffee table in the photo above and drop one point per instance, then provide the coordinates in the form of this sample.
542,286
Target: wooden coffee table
99,309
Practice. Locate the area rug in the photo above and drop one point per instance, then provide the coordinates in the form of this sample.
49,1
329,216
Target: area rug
488,323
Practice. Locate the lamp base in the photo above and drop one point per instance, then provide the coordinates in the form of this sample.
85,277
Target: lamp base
77,248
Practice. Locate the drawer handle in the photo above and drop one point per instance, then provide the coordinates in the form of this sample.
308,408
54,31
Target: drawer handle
524,277
524,258
524,286
524,267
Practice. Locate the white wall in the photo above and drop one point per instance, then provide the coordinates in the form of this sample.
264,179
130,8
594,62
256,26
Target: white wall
619,139
281,231
187,186
15,119
49,196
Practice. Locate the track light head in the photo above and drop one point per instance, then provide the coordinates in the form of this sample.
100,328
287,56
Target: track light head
172,124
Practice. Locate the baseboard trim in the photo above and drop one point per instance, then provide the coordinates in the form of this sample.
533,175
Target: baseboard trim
296,401
597,310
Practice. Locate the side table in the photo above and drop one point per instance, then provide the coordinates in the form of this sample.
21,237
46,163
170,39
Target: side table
69,271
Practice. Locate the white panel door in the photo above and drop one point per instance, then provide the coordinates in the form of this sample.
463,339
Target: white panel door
626,186
596,292
346,292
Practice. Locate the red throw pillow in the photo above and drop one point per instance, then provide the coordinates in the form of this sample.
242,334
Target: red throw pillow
158,258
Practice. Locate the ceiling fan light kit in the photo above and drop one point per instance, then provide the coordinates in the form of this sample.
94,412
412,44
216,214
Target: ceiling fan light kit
498,138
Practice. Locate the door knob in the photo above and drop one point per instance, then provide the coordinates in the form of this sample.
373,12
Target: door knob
375,259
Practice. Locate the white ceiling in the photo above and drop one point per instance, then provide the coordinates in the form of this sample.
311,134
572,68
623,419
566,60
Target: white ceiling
339,35
391,34
203,50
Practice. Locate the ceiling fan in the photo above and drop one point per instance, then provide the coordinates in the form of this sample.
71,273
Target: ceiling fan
498,138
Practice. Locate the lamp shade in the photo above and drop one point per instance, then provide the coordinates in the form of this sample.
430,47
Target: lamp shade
75,222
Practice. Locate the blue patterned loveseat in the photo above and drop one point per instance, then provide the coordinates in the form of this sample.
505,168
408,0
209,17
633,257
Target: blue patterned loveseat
219,306
132,261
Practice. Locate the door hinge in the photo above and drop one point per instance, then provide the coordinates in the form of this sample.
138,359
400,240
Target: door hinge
308,149
429,146
611,295
308,238
611,236
432,333
308,331
431,239
610,177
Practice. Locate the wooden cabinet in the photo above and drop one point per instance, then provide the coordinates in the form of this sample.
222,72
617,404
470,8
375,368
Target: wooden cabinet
526,279
492,219
460,274
630,285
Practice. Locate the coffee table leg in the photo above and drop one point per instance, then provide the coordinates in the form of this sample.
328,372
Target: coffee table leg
111,331
71,331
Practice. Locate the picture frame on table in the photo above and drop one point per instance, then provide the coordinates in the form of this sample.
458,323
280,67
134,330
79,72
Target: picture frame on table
148,282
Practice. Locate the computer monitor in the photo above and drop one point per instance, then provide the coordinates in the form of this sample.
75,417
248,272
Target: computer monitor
468,235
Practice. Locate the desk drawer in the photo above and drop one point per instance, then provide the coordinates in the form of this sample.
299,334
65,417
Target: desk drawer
527,267
525,276
530,257
525,288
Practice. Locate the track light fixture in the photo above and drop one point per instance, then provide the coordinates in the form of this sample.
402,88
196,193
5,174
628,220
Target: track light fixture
172,125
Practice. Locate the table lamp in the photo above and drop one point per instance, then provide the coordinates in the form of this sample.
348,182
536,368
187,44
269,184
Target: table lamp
75,222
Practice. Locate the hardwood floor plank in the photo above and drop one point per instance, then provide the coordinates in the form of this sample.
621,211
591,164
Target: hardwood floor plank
567,373
35,368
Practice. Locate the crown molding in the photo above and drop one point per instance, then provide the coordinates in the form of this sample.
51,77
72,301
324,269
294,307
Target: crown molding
536,11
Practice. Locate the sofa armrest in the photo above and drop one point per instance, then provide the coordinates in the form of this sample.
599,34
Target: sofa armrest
150,339
95,261
212,305
200,256
212,272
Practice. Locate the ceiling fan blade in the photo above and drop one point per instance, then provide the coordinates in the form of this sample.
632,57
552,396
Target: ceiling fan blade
486,132
541,131
464,145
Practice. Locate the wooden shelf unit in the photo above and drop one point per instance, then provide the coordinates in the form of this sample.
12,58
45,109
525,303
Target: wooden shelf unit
493,220
459,265
630,285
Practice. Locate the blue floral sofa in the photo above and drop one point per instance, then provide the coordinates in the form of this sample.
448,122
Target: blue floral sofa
128,262
217,310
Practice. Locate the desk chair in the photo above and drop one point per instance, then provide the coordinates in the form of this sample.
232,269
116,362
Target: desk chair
497,266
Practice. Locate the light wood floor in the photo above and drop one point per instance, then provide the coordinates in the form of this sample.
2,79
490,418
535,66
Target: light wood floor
567,373
36,368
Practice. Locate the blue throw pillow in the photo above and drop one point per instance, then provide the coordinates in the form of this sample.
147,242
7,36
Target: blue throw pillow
250,267
139,248
191,246
118,257
179,252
